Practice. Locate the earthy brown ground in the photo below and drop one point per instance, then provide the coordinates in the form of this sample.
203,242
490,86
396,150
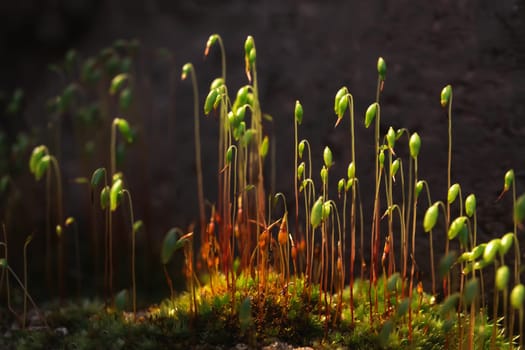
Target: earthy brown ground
306,50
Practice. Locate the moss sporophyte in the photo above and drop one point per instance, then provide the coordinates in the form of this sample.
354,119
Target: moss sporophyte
261,271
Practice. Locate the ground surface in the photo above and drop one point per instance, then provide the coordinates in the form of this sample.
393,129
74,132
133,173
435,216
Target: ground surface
306,50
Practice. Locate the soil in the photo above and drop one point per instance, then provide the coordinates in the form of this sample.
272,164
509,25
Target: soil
306,50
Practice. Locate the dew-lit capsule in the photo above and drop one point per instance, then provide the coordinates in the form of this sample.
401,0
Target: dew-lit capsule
370,114
327,157
350,172
381,68
316,215
470,205
502,277
445,95
431,217
414,145
453,192
300,148
456,226
506,243
492,248
517,296
298,112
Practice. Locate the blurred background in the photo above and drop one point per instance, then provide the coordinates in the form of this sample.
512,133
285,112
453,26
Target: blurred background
307,50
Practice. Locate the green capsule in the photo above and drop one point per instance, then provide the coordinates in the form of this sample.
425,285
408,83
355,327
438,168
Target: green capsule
298,112
446,263
327,209
449,304
300,170
124,128
186,70
117,82
58,231
506,243
69,221
466,256
168,246
248,45
492,248
517,296
229,154
470,205
239,131
350,172
402,308
445,95
418,188
217,83
324,174
456,226
381,68
240,114
104,197
502,277
453,192
478,251
97,176
471,291
340,93
3,263
342,105
340,186
316,216
381,159
263,148
210,101
349,183
36,156
414,145
509,179
211,41
370,114
42,166
232,121
393,281
300,148
327,157
395,167
391,138
116,188
252,57
431,217
467,270
480,265
247,137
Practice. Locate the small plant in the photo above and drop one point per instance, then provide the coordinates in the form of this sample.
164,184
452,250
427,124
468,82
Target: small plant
40,163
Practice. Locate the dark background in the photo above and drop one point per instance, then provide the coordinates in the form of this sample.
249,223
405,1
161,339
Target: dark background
306,50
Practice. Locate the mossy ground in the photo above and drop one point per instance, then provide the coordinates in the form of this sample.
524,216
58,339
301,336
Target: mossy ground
258,316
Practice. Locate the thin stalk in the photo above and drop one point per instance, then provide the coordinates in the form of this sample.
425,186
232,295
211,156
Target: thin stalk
27,295
198,160
60,219
24,318
133,240
413,270
8,287
446,280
